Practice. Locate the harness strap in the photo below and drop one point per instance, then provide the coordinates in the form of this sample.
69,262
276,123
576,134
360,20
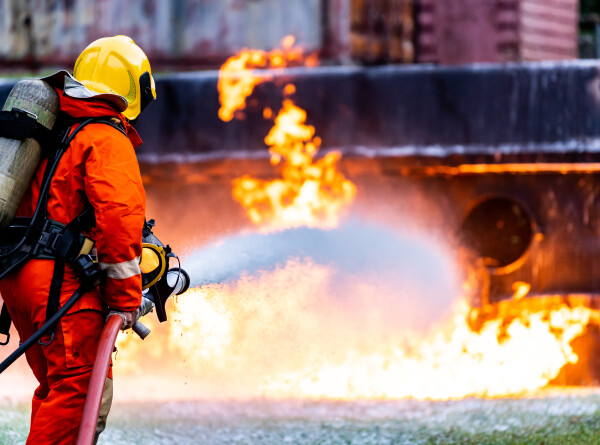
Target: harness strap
67,250
113,122
66,242
20,125
5,322
54,296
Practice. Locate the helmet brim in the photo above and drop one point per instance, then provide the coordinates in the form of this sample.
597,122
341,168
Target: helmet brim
73,88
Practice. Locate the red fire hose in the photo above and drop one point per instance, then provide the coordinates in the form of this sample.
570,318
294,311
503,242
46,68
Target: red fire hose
87,429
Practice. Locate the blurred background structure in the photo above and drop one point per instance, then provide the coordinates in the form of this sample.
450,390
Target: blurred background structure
196,34
474,142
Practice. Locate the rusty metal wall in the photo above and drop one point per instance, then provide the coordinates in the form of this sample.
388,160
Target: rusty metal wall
466,31
192,32
382,31
202,33
463,31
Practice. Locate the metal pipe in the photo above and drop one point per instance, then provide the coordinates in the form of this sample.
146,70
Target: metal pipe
89,419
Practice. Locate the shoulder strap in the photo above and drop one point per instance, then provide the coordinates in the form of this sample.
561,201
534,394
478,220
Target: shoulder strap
115,123
40,214
20,125
107,120
70,235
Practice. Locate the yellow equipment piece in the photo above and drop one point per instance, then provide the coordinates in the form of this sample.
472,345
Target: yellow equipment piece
153,264
116,65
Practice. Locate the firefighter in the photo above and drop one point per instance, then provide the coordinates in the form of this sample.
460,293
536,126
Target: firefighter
112,78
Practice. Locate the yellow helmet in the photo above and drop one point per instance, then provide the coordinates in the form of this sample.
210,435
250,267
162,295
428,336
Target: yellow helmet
116,65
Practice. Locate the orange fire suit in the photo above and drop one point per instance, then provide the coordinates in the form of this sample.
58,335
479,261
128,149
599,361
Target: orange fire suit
99,166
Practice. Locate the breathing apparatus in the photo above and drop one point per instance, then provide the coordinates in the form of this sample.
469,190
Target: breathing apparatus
26,121
159,282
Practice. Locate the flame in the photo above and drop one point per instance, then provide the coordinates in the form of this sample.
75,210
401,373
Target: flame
520,289
237,77
303,331
282,334
311,192
453,363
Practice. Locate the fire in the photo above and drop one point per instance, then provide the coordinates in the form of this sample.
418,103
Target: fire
452,363
286,334
521,289
311,192
237,77
308,330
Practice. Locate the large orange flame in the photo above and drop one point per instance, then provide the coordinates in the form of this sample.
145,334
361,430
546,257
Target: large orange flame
279,334
237,77
310,193
283,333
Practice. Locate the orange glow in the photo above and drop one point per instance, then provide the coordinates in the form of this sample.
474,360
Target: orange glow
520,289
288,42
289,89
278,334
537,167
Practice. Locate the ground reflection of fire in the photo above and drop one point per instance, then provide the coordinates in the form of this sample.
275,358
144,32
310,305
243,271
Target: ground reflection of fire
283,333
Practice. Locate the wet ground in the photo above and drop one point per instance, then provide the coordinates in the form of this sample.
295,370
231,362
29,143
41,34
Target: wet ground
555,417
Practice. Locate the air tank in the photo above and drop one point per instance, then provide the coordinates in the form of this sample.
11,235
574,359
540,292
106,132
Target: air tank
19,159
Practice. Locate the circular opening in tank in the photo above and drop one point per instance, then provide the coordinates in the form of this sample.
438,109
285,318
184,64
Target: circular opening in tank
498,230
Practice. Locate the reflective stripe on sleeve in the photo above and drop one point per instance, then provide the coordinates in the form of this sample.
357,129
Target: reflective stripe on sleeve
122,271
